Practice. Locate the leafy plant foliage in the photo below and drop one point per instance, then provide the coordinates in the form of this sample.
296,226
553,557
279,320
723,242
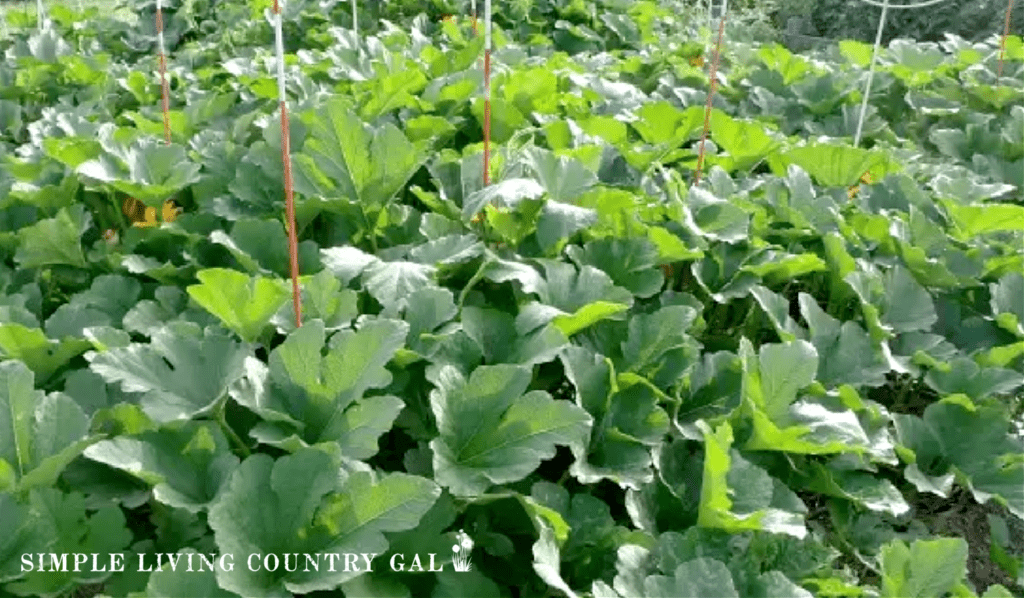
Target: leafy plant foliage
591,377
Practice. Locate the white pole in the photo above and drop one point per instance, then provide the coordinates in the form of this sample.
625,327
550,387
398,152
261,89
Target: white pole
40,13
355,22
279,50
871,73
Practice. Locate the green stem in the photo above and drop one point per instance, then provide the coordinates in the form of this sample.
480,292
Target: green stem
371,231
117,210
477,277
229,431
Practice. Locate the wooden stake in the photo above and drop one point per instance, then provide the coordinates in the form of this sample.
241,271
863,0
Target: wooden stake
286,159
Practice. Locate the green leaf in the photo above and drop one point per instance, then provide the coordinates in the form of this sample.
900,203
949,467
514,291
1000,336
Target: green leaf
306,505
779,59
973,442
715,219
39,434
737,495
892,302
245,305
715,388
490,432
747,143
776,307
563,178
261,246
973,220
862,488
628,421
324,299
573,300
391,283
506,120
505,193
631,263
76,530
147,170
496,335
105,303
183,371
54,241
559,221
966,377
657,345
771,384
699,577
26,532
42,355
847,354
834,165
1008,303
185,462
308,397
927,568
345,159
547,560
661,122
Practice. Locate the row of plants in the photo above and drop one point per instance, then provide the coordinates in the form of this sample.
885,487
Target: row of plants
593,377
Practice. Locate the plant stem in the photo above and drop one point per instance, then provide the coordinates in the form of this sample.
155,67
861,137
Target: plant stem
229,431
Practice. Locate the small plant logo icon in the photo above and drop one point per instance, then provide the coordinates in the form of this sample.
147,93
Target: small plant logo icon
460,560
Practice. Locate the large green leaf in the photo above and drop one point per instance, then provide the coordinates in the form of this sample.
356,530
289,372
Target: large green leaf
631,263
245,305
737,495
973,220
77,528
1008,302
573,300
308,397
627,421
747,143
926,568
345,159
39,433
835,165
185,462
974,444
496,334
490,432
42,355
306,505
699,577
183,372
147,170
54,241
786,421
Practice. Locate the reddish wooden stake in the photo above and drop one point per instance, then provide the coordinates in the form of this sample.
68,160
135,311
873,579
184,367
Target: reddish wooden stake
165,88
289,199
1006,32
487,92
711,95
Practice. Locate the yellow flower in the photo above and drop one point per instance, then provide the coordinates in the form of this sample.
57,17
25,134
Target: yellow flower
145,217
